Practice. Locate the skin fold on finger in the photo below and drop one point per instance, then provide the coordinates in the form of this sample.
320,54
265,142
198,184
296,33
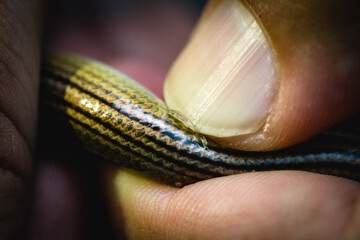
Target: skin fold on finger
316,48
19,75
248,206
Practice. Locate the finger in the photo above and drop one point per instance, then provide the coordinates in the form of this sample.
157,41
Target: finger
274,205
19,67
263,75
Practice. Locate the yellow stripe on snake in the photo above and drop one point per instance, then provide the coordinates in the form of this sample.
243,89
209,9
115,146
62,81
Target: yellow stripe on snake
116,118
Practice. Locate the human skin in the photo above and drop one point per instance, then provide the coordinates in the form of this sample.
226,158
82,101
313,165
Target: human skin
270,205
19,68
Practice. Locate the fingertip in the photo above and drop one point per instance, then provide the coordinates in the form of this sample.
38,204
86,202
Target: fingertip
272,85
137,203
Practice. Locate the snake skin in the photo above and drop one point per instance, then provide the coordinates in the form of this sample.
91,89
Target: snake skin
116,118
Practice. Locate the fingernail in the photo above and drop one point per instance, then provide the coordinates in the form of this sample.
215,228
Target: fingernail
225,80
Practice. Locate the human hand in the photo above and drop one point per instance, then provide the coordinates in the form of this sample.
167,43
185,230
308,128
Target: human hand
313,46
19,68
275,202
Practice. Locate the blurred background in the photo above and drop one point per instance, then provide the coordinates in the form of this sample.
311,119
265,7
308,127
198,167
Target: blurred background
124,33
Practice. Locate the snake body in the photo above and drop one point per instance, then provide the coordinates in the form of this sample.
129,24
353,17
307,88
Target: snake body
116,118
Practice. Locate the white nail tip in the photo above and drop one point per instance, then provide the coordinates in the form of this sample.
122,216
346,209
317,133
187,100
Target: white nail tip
225,79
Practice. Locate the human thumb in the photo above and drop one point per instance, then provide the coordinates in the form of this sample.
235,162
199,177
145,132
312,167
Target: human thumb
263,75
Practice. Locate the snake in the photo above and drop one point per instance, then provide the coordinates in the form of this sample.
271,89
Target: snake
119,120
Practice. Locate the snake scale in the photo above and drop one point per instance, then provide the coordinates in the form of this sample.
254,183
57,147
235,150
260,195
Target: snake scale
119,120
